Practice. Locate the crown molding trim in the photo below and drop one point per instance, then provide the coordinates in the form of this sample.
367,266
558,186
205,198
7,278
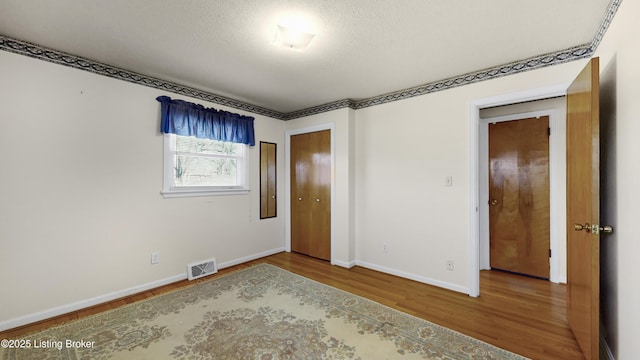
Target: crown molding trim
62,58
575,53
340,104
536,62
612,9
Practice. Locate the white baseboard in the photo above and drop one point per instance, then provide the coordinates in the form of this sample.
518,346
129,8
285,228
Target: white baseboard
422,279
60,310
245,259
343,264
46,314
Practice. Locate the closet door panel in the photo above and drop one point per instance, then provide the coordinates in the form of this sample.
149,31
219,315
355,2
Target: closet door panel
300,184
311,194
320,227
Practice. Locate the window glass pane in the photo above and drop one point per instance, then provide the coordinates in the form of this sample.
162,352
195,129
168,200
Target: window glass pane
206,146
205,171
201,167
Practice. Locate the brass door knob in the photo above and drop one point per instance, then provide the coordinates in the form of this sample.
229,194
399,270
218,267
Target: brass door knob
579,227
595,228
494,202
606,229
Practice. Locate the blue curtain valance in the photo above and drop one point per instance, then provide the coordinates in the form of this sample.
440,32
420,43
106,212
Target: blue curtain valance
189,119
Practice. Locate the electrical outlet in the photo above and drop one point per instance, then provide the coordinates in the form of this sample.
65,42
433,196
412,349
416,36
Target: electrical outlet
385,247
450,265
155,258
448,181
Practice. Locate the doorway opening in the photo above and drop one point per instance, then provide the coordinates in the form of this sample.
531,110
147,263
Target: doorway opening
496,107
555,110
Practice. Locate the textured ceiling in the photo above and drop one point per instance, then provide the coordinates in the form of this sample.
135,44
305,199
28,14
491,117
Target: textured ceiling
363,48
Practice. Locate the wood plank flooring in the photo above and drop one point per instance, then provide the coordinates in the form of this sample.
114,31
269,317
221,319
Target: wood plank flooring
523,315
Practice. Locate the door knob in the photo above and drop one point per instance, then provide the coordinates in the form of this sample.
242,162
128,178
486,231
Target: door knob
318,200
494,202
595,228
578,227
606,229
299,199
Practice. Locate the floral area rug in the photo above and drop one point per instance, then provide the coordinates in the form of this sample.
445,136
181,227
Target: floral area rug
262,312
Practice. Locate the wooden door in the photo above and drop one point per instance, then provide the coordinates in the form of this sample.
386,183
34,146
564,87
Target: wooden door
300,184
583,202
519,196
311,194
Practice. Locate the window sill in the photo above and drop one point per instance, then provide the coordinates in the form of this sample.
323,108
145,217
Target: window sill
202,192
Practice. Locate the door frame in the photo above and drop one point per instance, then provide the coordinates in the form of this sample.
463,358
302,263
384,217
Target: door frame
474,166
556,141
287,181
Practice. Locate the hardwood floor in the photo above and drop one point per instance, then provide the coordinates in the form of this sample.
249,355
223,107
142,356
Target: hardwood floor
523,315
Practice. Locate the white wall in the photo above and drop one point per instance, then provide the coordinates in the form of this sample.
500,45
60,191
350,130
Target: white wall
80,203
620,91
404,150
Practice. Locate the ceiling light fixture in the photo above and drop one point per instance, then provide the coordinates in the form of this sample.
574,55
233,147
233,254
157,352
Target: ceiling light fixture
292,38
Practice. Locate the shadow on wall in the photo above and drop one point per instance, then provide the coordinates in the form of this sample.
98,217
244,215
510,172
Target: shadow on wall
608,206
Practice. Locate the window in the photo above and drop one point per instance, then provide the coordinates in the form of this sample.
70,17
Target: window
201,167
205,150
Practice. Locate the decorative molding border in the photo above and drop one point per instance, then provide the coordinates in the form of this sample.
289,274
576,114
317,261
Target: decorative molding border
612,9
579,52
340,104
61,58
536,62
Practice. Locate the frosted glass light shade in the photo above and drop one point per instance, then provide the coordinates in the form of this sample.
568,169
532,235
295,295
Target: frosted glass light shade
291,38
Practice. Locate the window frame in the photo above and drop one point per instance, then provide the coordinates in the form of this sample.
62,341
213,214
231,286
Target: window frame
169,190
